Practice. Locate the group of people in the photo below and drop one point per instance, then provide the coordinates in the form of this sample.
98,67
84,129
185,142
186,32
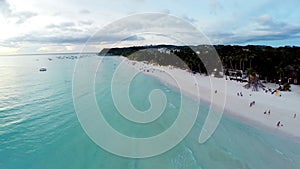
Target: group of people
272,91
279,123
239,94
267,112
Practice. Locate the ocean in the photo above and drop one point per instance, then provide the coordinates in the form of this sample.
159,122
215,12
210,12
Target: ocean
39,127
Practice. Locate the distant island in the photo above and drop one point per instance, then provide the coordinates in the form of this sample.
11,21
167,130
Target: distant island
276,65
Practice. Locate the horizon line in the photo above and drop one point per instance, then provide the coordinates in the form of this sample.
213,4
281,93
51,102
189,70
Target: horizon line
49,53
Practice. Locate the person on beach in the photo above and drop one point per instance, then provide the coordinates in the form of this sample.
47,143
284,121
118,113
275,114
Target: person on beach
295,115
269,112
252,103
278,123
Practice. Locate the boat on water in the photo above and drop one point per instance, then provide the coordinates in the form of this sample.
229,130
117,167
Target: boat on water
43,69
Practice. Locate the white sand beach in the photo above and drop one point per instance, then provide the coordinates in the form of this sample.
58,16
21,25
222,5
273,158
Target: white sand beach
282,108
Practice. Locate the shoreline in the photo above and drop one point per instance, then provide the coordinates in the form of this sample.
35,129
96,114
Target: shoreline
236,107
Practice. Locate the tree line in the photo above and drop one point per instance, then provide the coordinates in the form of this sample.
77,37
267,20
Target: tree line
270,63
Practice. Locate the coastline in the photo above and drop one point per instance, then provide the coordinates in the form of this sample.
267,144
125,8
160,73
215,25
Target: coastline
282,108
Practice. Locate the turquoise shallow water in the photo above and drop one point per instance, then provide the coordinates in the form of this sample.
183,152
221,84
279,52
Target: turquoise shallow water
39,127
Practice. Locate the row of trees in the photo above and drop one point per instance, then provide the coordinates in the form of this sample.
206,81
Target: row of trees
272,64
202,59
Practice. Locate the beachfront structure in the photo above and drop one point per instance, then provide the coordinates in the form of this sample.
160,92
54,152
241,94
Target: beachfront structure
238,75
254,83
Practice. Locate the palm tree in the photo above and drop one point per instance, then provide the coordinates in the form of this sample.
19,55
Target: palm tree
279,70
245,59
251,57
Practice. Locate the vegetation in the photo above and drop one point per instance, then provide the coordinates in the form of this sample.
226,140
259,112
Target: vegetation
271,64
286,87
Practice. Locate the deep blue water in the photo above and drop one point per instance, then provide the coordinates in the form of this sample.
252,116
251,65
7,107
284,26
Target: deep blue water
39,127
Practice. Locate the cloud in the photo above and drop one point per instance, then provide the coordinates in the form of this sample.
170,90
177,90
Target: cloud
85,23
23,16
7,50
151,28
189,19
269,29
61,25
114,38
165,11
5,8
256,38
37,38
266,21
70,48
290,32
44,39
84,11
51,49
132,29
215,5
263,28
134,38
148,22
18,17
64,27
44,49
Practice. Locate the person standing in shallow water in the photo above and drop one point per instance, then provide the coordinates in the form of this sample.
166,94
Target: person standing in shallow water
295,115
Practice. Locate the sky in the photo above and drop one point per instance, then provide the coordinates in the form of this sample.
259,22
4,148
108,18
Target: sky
50,26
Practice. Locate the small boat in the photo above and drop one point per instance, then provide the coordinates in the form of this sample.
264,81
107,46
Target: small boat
43,69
